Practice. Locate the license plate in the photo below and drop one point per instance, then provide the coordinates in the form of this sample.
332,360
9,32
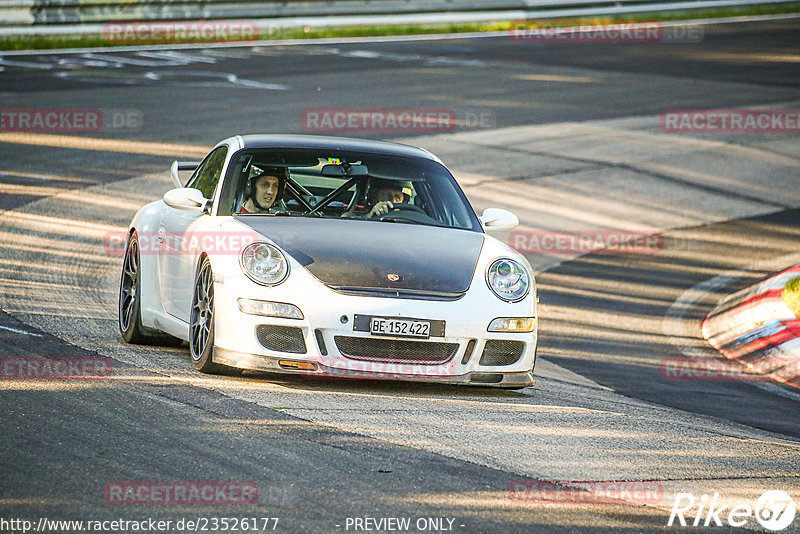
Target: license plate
385,326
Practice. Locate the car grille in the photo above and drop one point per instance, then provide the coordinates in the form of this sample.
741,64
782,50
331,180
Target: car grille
281,338
502,352
396,350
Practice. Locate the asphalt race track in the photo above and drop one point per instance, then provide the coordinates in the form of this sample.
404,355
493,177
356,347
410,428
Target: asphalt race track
568,136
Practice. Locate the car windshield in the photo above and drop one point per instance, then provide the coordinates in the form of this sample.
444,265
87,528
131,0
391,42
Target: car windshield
334,184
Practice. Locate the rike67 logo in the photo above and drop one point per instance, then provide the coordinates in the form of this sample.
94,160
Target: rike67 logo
774,511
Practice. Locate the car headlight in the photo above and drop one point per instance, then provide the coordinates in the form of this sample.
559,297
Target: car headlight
264,264
508,280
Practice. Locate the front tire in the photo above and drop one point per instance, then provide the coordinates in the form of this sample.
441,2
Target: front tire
201,321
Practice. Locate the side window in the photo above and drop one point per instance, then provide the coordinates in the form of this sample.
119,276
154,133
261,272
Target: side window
207,175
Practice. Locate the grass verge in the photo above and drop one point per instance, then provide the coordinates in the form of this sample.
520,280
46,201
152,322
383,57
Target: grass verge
42,42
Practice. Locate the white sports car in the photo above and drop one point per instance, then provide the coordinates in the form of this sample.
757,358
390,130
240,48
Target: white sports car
329,256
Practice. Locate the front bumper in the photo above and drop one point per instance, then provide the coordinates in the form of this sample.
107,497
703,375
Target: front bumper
318,350
330,316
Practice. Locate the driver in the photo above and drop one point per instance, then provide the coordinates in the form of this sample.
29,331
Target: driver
264,190
384,194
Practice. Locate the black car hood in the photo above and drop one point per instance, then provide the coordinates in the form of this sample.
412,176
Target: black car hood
377,257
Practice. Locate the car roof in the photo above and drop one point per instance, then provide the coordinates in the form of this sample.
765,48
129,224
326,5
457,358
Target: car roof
332,143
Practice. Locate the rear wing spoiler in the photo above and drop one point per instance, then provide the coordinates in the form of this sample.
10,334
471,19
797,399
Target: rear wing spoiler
181,166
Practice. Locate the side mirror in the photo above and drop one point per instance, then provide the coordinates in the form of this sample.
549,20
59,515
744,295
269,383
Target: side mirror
185,198
497,219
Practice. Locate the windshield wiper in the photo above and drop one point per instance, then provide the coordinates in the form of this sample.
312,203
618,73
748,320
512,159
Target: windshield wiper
401,220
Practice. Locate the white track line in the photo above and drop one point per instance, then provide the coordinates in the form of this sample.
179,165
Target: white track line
18,331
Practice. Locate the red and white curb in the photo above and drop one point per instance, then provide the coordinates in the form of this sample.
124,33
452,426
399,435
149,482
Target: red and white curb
757,329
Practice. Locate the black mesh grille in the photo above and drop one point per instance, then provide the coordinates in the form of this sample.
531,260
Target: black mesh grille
366,348
282,338
502,352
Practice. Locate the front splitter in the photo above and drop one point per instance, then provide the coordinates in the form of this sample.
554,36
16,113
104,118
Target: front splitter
271,364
